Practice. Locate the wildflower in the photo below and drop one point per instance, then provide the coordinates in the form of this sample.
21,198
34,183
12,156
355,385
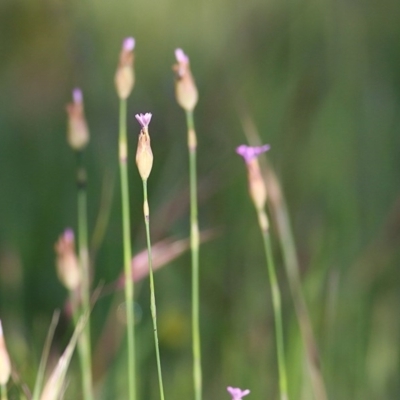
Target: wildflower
5,363
250,152
144,155
78,132
257,188
236,393
125,75
185,87
67,261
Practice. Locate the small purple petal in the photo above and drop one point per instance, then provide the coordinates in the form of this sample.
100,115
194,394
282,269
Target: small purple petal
144,119
128,44
181,57
250,152
69,234
77,96
236,393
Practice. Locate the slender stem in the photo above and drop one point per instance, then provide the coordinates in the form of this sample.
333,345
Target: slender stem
126,232
84,346
3,390
146,213
194,246
276,303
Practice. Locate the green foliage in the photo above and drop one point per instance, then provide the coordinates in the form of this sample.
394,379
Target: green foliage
320,81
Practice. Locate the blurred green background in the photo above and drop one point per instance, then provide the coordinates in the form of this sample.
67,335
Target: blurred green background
320,79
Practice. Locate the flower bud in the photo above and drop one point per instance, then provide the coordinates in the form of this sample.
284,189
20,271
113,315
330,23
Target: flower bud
144,155
78,132
5,363
125,75
185,87
257,187
67,261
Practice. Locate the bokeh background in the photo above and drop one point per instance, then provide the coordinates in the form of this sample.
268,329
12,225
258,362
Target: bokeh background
320,81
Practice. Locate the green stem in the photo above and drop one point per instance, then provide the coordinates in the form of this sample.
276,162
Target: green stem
126,232
146,213
84,340
276,303
194,247
3,390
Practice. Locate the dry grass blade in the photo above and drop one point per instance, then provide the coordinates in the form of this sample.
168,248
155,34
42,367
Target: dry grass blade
280,215
45,356
54,385
111,337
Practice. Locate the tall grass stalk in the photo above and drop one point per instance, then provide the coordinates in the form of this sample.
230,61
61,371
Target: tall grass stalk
276,303
146,212
194,247
84,342
126,232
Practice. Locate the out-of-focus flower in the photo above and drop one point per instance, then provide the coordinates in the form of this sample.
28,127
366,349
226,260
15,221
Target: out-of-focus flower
5,363
144,155
78,132
250,152
67,261
185,87
236,393
125,75
257,187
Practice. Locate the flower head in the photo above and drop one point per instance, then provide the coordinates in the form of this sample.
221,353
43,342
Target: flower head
185,87
125,75
144,119
5,363
144,155
128,44
236,393
257,187
250,152
67,261
78,132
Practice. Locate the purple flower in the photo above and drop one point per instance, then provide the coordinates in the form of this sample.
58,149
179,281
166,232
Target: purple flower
236,393
77,96
144,119
250,152
128,44
181,57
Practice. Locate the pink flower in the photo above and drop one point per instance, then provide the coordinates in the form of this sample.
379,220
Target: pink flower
77,96
236,393
144,119
181,57
128,44
250,152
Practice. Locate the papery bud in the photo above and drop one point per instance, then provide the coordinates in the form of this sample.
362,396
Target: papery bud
78,132
5,363
257,187
125,75
185,87
67,261
144,155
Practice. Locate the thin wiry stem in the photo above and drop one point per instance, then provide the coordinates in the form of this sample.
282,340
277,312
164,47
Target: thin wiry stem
194,246
126,231
84,346
146,213
276,304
